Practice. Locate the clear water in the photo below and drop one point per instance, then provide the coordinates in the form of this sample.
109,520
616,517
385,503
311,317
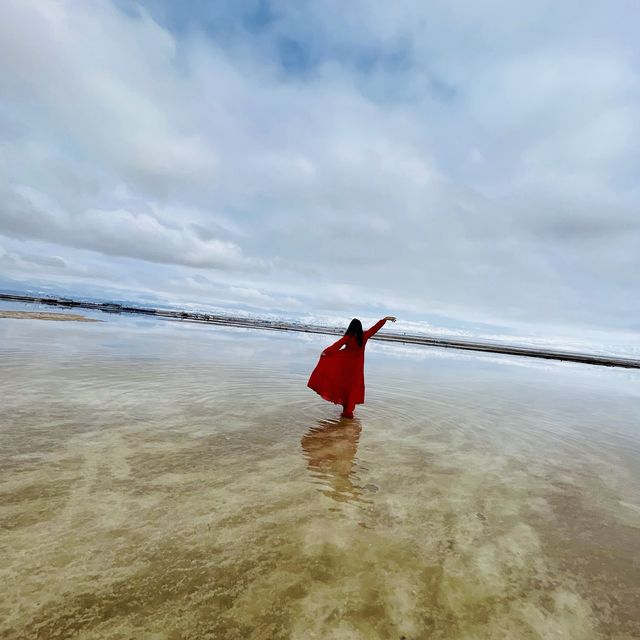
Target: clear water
170,481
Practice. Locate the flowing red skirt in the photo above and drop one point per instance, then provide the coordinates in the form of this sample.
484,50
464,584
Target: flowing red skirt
339,377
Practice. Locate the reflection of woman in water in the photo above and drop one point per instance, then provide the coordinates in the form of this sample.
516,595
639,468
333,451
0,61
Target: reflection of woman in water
330,449
339,375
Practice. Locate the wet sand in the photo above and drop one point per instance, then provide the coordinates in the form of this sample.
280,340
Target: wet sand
43,315
176,481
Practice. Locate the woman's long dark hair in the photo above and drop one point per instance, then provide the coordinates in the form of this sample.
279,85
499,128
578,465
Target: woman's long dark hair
355,329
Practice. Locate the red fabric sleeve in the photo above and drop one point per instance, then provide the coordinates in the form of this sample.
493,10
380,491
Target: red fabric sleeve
373,330
335,346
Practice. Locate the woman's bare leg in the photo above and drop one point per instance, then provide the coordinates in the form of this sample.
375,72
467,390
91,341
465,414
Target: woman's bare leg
347,410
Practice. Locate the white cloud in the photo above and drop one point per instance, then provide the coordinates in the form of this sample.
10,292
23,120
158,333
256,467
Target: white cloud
26,213
476,161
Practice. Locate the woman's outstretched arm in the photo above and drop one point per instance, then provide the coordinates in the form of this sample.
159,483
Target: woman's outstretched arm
335,346
377,326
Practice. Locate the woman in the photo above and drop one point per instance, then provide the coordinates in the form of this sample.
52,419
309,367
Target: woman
339,375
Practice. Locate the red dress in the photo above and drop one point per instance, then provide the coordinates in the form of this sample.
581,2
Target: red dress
339,375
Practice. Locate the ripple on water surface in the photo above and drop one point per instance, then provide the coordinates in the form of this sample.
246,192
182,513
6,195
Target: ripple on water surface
162,481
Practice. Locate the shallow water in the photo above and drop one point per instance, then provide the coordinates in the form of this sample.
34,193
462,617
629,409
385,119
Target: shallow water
162,480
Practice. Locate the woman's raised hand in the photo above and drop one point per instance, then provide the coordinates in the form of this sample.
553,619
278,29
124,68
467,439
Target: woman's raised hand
392,318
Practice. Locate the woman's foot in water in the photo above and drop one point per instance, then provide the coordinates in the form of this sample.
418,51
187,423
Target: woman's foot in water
347,412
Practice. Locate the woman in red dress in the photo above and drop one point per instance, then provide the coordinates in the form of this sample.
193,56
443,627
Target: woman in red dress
339,375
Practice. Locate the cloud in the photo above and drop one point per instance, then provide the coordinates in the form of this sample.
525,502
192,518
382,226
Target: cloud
25,213
441,157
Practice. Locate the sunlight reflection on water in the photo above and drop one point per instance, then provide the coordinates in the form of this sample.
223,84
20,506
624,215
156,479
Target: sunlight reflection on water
172,481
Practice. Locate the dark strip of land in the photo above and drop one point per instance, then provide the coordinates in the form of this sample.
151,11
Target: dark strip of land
43,315
257,323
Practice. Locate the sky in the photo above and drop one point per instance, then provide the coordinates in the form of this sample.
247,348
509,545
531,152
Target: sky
451,162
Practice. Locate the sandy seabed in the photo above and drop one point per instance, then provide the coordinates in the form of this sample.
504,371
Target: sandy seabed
167,481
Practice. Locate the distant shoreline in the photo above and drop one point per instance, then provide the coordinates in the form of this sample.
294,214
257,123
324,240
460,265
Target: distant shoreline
44,315
273,325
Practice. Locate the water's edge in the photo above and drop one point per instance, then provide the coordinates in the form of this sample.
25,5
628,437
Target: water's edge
271,325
